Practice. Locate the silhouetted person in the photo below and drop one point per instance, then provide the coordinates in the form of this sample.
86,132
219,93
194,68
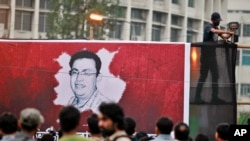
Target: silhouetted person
181,131
69,118
8,126
163,128
47,137
208,61
222,132
201,137
130,125
141,135
30,121
111,122
95,133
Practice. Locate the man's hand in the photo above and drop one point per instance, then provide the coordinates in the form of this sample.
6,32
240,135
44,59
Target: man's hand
226,35
230,32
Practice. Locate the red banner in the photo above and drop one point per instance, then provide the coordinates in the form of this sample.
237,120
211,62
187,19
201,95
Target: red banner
147,79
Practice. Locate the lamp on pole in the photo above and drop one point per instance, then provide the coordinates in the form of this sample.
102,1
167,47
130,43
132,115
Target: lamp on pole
94,18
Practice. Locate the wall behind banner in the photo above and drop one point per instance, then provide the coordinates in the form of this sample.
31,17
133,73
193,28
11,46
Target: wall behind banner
147,79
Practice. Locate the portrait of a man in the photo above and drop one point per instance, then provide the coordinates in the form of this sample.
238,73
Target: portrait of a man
84,70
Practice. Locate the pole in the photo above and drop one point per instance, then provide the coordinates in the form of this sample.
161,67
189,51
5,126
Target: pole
91,32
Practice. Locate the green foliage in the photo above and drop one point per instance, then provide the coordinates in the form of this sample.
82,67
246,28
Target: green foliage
69,19
243,119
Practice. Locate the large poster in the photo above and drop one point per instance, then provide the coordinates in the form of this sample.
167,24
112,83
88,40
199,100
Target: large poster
147,79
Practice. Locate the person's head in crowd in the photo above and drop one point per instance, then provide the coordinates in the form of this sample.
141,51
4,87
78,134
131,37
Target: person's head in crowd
85,67
93,125
130,125
222,132
201,137
143,136
140,135
30,120
146,138
60,134
8,124
69,118
164,125
111,118
181,131
47,137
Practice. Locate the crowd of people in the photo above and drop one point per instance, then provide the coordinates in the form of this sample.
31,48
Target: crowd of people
110,124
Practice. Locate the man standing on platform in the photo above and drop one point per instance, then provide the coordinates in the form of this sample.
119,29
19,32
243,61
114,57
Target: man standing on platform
208,61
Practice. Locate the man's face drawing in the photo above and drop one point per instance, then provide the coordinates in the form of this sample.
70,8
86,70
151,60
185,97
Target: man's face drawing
83,77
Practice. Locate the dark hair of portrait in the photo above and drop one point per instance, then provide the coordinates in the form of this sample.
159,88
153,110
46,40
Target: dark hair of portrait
86,54
69,118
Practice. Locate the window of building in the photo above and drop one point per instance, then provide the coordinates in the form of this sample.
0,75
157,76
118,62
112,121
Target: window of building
190,23
190,3
23,20
246,30
245,89
24,3
138,14
43,23
176,20
246,11
6,2
44,4
193,24
136,31
156,33
205,23
116,31
175,1
175,35
121,12
4,17
246,57
159,17
191,36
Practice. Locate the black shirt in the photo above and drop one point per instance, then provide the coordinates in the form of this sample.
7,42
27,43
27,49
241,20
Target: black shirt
209,36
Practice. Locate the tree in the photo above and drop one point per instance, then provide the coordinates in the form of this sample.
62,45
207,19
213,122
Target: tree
69,19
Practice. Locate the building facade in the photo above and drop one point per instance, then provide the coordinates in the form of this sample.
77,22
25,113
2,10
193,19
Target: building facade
23,19
239,11
166,20
143,20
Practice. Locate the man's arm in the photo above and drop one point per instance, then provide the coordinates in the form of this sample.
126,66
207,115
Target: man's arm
218,31
222,33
